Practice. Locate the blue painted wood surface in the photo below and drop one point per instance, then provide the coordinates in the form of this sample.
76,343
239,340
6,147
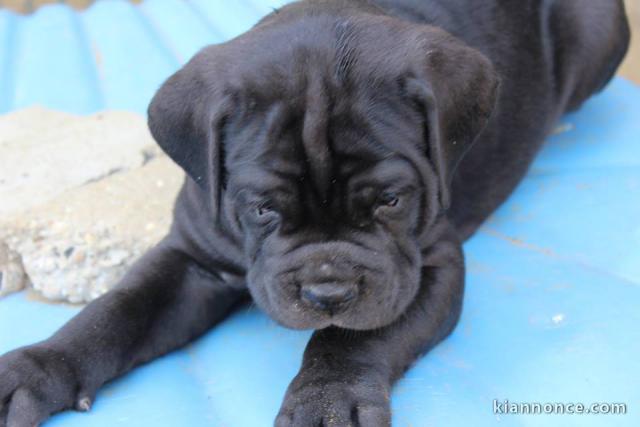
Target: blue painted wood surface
553,286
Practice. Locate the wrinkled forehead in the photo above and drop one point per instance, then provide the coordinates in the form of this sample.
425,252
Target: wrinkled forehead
270,151
319,111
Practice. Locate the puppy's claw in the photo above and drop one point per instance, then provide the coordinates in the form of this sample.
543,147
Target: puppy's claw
84,404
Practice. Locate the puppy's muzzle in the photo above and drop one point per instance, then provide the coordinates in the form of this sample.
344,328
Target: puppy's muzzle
328,286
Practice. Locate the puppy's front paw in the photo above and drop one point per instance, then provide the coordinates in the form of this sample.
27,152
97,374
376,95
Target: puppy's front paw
315,399
36,382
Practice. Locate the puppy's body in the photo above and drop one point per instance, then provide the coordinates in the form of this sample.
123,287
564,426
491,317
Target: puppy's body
325,150
550,56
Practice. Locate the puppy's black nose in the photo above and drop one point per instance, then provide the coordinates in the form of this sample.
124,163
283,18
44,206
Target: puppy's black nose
328,296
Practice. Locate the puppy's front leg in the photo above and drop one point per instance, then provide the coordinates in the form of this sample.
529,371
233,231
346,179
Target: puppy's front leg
346,376
165,301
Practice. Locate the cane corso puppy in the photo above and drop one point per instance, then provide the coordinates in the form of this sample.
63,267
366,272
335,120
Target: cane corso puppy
337,154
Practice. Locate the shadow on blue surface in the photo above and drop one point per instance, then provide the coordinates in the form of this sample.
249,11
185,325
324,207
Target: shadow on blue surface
553,285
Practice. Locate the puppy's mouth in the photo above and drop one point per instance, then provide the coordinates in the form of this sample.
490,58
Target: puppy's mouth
314,303
357,303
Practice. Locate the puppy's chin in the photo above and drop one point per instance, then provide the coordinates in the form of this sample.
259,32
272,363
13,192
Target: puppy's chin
316,321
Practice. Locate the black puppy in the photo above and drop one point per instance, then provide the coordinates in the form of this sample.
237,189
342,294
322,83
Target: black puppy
325,178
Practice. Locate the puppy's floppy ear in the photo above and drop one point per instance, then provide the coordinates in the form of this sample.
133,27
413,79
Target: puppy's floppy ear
456,87
187,117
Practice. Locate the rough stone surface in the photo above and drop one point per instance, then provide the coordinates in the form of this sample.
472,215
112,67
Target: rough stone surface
43,153
12,275
78,238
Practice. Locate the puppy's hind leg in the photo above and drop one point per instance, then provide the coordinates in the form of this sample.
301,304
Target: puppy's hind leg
590,40
165,301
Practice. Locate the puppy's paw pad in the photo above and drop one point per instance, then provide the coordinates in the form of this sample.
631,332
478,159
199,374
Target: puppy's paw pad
335,404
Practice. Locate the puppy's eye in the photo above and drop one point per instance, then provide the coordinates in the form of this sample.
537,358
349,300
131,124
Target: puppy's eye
389,200
265,210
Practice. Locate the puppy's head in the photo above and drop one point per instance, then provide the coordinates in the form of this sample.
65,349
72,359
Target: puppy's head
325,143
